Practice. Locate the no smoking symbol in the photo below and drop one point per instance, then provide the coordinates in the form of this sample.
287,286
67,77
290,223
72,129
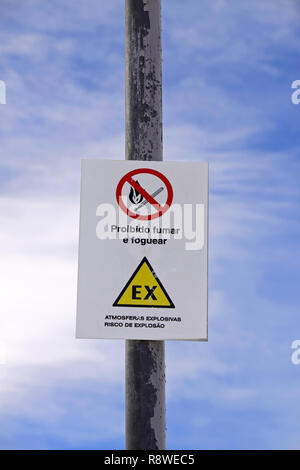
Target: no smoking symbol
141,196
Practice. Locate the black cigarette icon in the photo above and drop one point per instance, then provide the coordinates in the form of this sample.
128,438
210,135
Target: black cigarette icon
159,190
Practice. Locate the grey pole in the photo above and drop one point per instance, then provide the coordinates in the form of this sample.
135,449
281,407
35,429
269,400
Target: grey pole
145,360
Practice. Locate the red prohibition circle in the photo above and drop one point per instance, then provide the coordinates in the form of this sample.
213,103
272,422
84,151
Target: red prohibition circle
160,209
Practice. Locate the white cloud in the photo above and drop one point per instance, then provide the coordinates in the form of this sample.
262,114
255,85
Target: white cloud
234,31
38,303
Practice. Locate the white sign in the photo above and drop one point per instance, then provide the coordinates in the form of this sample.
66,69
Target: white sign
143,250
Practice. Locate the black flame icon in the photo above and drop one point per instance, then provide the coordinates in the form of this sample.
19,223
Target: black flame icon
134,196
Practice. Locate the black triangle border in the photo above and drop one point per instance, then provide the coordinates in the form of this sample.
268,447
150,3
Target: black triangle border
144,260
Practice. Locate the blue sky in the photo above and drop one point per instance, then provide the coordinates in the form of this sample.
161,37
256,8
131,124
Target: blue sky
228,66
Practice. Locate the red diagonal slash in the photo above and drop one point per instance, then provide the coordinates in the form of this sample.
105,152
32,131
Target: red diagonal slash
160,210
144,193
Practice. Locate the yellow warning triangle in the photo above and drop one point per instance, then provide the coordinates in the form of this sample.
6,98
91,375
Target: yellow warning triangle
144,289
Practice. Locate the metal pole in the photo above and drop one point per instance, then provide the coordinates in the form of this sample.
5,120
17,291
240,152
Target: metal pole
145,360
